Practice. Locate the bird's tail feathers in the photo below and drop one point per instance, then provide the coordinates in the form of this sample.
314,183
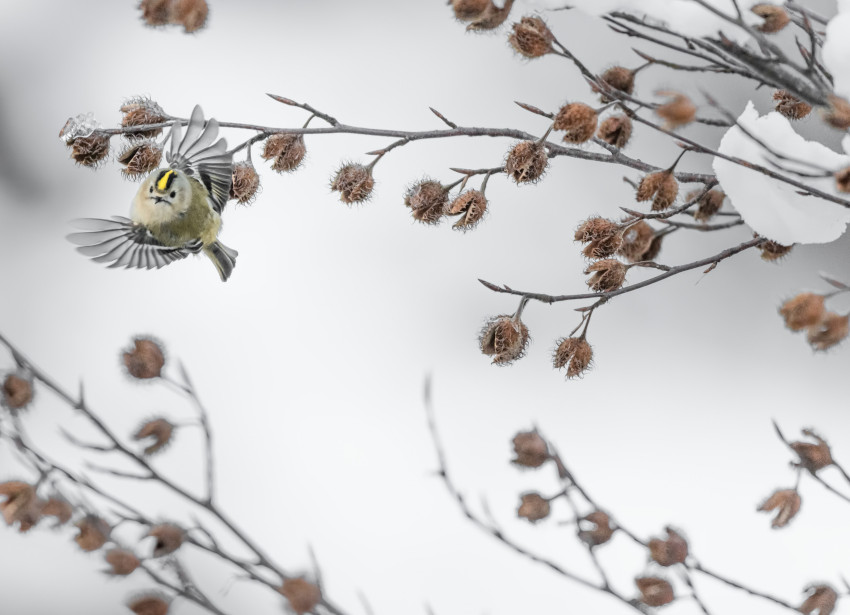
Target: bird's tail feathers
223,258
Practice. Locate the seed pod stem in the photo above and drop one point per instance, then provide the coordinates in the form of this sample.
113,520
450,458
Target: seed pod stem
545,136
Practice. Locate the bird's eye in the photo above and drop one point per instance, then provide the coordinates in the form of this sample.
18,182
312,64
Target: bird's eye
173,194
150,189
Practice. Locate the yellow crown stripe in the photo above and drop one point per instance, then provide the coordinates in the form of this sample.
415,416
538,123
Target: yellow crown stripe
162,184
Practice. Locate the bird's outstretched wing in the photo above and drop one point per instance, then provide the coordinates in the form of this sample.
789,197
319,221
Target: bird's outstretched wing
122,243
199,155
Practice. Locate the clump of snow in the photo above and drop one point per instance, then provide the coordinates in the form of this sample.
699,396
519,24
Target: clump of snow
683,16
772,208
836,49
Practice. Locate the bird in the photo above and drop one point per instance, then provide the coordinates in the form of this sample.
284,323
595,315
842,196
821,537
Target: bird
176,211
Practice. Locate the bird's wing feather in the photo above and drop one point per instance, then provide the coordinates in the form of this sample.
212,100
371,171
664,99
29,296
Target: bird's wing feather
122,243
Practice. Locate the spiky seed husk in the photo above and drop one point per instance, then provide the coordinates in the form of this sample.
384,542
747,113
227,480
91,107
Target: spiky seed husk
94,533
354,182
470,10
617,78
59,507
531,37
772,251
600,530
428,200
526,162
160,430
655,591
615,130
602,236
91,150
533,507
837,114
121,562
775,18
802,311
169,538
842,180
155,12
786,501
491,18
531,449
830,331
636,240
654,249
149,603
575,354
142,111
245,181
669,551
678,111
21,504
470,205
578,120
608,274
790,106
145,360
708,205
504,339
286,150
821,599
140,158
191,14
661,187
813,457
302,595
17,392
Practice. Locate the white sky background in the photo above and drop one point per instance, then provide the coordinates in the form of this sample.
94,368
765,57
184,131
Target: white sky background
311,358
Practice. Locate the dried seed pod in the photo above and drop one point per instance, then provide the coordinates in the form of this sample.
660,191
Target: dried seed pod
661,187
708,204
842,180
617,78
578,120
654,248
830,331
531,450
94,532
678,111
354,182
428,200
21,504
245,182
772,251
470,205
286,150
149,603
17,391
597,530
140,110
302,595
160,430
504,338
815,456
837,114
608,275
526,162
821,598
531,37
140,158
121,562
533,507
673,550
654,591
775,18
636,239
491,18
169,538
155,12
602,236
575,354
191,14
615,130
59,507
470,10
91,150
145,360
790,106
802,311
786,501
